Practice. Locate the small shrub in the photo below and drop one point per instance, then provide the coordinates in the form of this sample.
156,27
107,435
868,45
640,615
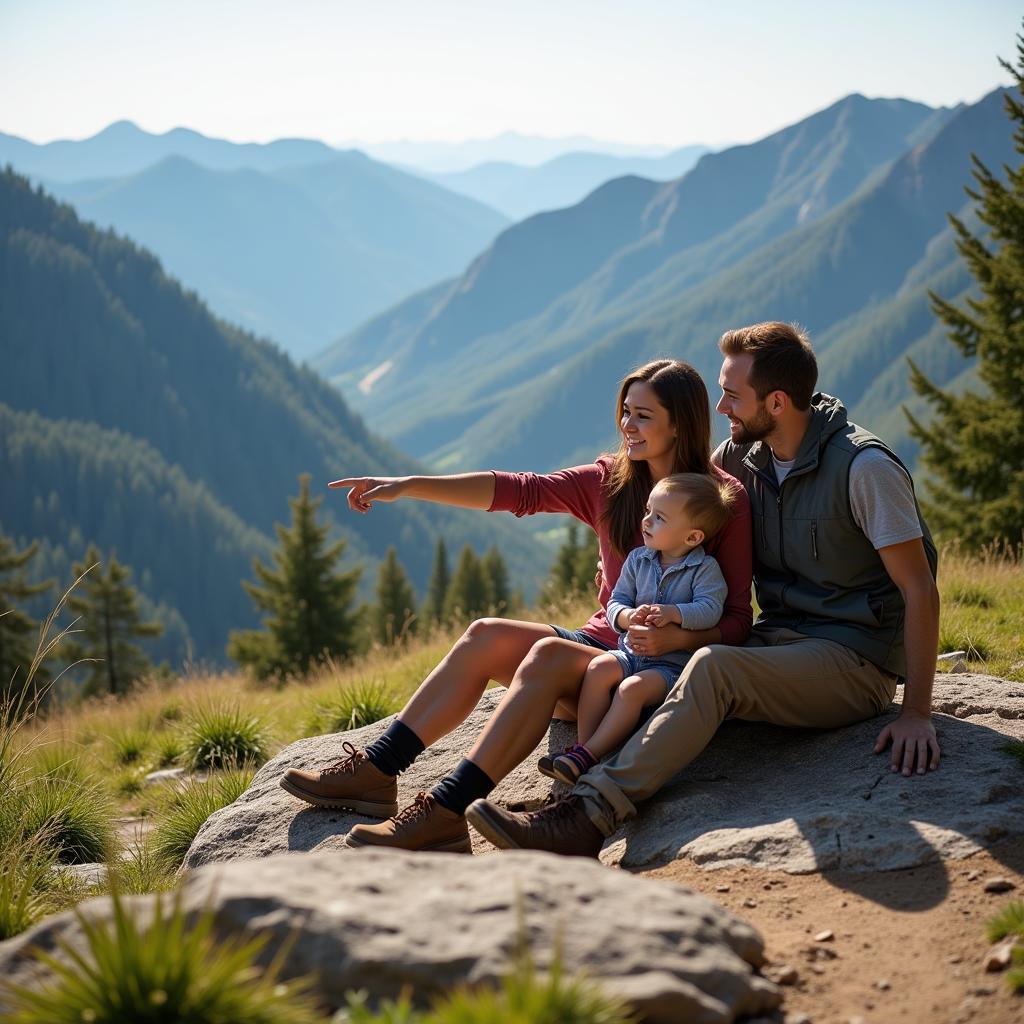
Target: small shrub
174,970
188,807
74,819
222,736
352,707
128,745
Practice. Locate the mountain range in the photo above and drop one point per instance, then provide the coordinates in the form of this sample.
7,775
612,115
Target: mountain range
837,222
296,253
132,417
519,191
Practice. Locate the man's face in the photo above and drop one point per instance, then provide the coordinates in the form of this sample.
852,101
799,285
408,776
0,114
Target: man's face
749,419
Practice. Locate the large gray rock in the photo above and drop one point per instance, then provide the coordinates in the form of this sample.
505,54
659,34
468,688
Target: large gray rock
792,800
267,820
386,920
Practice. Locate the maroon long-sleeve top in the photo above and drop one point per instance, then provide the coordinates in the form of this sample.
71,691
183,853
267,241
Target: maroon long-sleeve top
580,492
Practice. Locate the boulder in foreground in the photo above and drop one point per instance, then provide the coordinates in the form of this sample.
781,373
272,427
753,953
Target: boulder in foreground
382,921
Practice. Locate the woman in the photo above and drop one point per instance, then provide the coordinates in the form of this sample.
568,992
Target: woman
665,421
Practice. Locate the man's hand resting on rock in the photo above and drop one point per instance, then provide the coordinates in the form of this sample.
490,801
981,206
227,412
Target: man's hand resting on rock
915,746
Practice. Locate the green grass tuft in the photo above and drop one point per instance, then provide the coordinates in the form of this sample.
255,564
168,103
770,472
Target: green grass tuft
525,997
23,872
1015,748
142,871
1009,921
74,819
60,762
167,749
127,783
128,746
173,970
353,706
223,736
188,807
971,595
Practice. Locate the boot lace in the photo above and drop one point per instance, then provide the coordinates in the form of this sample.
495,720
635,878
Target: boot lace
420,807
346,764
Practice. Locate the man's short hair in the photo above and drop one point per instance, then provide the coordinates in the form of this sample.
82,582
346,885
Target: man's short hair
783,359
708,500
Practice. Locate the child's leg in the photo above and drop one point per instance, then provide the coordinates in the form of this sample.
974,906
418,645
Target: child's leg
603,674
634,694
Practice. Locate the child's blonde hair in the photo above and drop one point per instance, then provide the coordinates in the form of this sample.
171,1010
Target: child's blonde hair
707,499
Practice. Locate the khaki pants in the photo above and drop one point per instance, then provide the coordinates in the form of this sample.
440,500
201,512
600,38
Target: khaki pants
777,676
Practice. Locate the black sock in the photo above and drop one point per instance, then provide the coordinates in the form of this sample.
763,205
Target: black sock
466,784
393,752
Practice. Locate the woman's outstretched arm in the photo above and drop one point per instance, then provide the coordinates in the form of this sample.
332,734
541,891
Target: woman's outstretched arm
465,490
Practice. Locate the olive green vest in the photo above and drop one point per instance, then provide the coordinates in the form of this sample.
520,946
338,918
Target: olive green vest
814,569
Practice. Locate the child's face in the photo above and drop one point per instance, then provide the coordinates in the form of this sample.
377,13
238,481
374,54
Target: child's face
667,527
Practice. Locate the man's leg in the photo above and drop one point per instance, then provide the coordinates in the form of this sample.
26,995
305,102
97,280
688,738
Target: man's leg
779,677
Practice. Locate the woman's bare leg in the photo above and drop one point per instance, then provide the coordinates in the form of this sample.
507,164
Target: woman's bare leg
603,674
489,649
634,694
551,672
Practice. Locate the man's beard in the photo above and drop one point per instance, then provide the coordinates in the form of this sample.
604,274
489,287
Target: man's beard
755,429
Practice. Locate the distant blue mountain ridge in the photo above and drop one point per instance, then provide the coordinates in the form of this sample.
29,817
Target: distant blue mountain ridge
837,222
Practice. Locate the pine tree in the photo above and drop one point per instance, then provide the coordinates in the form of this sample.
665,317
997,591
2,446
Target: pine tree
496,574
308,603
572,573
395,611
107,608
437,588
469,595
974,444
18,632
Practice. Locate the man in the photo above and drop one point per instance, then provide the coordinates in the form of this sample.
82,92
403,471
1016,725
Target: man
844,568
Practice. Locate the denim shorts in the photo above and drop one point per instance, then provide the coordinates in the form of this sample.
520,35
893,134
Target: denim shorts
579,637
633,663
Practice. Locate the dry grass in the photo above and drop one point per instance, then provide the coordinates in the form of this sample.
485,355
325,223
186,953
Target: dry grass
983,609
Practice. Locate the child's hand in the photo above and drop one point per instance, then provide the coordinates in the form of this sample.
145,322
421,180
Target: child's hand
641,616
663,615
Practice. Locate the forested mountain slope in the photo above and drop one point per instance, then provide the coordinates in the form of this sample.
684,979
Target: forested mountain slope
93,331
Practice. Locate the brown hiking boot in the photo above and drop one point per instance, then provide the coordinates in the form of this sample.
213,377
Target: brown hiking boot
353,784
559,827
423,825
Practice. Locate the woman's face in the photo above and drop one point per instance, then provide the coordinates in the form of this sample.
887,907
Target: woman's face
645,425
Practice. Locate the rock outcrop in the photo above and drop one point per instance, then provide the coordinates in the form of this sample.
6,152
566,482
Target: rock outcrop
792,800
382,921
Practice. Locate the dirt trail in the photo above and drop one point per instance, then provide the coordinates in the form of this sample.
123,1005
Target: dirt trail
906,945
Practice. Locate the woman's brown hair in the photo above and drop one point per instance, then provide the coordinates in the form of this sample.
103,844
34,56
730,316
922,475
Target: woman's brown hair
682,393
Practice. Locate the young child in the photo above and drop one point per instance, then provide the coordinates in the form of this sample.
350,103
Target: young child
670,579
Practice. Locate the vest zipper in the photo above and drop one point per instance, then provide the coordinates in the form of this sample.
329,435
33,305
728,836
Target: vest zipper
814,538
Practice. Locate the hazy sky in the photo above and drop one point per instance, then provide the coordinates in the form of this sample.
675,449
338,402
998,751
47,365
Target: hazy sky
640,71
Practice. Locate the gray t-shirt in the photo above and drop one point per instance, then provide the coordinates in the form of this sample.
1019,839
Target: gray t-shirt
882,499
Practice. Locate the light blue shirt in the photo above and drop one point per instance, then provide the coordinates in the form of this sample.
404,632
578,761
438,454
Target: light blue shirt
694,584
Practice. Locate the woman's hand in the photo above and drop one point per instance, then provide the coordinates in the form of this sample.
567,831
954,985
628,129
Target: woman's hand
653,641
365,490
